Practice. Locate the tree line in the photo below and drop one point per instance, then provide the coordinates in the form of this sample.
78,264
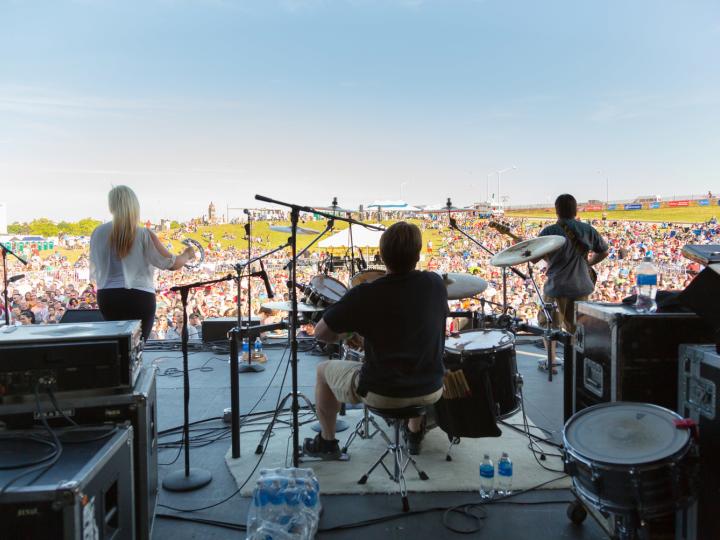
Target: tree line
45,227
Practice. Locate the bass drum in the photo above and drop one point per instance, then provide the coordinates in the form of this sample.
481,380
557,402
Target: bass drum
630,459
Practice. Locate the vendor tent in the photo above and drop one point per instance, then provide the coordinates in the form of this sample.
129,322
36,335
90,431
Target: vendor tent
362,237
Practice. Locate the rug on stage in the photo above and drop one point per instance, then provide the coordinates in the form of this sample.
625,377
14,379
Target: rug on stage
460,474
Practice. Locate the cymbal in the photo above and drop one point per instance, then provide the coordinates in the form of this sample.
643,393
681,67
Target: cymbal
288,229
528,250
463,285
287,306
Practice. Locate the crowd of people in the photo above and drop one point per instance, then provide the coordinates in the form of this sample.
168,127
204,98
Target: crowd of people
54,284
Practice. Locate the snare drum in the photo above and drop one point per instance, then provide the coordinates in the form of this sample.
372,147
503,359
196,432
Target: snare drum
493,352
366,276
630,459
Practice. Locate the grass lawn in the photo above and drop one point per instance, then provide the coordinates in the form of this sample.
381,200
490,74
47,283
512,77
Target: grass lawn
691,214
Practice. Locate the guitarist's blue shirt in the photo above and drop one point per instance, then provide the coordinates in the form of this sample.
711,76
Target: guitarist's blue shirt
567,274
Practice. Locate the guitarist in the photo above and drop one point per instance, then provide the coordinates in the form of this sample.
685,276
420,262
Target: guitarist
570,276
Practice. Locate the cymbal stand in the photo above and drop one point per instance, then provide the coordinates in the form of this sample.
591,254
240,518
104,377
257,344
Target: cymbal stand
294,395
550,335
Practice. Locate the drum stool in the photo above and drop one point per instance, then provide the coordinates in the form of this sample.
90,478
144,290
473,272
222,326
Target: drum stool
397,449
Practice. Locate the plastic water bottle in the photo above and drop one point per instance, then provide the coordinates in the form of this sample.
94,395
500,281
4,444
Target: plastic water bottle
245,349
505,471
487,478
647,280
257,348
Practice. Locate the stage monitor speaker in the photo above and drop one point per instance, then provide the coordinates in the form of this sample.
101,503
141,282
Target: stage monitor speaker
81,316
216,328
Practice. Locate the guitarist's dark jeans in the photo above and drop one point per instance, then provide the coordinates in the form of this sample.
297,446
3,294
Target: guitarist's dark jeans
564,313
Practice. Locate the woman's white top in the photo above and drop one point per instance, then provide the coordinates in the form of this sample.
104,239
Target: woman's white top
138,266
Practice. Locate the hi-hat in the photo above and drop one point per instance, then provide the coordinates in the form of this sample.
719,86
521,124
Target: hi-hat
528,250
287,306
288,229
463,285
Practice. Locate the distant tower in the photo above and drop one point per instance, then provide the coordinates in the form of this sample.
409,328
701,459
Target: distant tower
212,218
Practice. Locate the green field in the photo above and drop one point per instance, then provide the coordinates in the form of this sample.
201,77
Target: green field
692,214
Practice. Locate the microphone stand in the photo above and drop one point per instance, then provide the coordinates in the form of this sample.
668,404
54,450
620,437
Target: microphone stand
6,281
294,217
248,367
454,225
188,479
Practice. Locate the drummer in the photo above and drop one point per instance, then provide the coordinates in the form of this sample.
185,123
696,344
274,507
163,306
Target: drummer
402,318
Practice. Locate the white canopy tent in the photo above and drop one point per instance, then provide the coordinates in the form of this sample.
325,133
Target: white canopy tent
362,238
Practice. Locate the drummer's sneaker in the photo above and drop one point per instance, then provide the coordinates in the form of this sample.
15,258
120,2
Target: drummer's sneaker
320,448
414,440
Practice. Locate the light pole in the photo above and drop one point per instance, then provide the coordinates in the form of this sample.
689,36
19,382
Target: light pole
607,186
498,178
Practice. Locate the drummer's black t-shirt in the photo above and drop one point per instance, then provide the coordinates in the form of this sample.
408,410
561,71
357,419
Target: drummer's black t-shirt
402,318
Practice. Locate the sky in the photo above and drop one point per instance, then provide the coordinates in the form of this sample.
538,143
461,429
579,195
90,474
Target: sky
192,101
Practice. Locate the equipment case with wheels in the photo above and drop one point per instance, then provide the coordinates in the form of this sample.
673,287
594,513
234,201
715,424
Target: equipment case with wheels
87,493
138,407
622,355
698,384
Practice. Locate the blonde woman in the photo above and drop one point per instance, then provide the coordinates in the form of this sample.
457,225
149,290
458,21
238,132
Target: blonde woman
123,258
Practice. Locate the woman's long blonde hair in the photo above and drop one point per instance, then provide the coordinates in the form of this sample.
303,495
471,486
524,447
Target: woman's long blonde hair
125,209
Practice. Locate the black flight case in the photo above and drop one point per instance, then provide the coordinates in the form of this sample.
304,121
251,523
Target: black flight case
623,355
137,407
87,493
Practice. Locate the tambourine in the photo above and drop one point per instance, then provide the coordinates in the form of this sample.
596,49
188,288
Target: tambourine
199,253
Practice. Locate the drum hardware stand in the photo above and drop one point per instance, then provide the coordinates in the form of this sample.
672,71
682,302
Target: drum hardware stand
550,335
188,479
454,225
364,431
294,217
6,280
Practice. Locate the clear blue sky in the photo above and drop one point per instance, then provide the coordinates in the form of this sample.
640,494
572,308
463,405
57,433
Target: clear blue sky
189,101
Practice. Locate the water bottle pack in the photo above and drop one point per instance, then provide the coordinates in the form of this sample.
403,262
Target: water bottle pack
285,505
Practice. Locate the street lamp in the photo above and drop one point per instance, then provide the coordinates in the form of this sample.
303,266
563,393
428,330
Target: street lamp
498,178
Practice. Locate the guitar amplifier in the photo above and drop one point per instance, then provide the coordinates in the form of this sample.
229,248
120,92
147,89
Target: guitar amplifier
137,408
87,493
68,358
622,355
216,328
698,398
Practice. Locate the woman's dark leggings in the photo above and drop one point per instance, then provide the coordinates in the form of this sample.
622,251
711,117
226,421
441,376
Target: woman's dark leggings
127,305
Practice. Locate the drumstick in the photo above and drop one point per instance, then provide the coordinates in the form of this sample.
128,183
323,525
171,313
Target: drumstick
456,385
464,383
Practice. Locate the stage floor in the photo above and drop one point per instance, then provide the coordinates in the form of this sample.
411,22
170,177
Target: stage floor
542,515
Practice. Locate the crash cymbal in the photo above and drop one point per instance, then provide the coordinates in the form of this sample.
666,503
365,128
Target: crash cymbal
528,250
463,285
288,229
287,306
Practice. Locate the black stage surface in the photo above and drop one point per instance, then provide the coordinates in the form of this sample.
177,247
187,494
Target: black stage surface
538,518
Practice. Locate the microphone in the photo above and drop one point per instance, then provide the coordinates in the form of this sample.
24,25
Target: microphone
15,278
264,274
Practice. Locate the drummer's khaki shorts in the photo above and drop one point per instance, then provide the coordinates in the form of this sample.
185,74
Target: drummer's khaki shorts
342,377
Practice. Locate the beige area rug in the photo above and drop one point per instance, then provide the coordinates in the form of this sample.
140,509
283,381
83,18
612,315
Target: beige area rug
460,474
